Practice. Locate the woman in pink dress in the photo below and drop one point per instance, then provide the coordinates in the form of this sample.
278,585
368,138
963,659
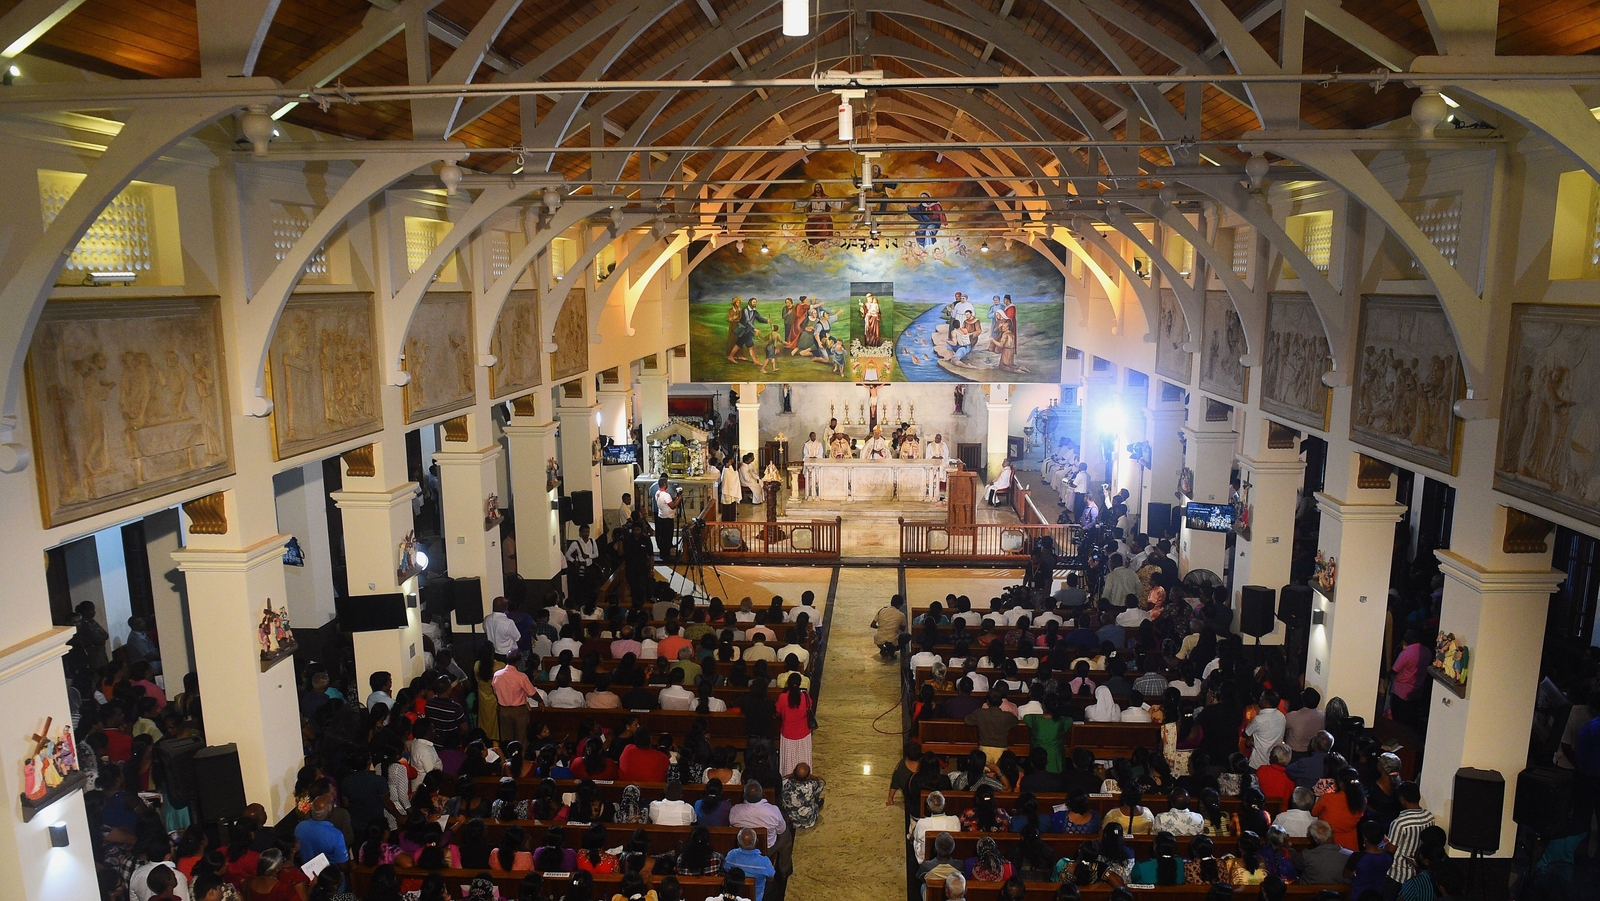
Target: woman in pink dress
794,725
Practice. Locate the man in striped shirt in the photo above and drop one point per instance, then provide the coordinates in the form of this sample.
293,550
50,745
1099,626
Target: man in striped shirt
1405,835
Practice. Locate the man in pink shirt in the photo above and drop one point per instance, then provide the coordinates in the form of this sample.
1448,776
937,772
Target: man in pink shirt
625,645
511,691
1406,691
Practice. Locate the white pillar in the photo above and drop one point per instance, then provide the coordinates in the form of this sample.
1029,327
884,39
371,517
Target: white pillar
750,419
995,444
1209,456
1274,476
238,573
467,478
1164,425
653,384
375,505
162,536
302,506
615,401
531,437
1344,658
579,430
1102,407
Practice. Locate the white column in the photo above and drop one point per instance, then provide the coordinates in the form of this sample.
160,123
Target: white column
750,419
467,478
162,536
1344,658
1274,476
376,510
302,505
531,437
999,407
1209,455
1102,407
579,430
1164,425
238,573
653,384
615,402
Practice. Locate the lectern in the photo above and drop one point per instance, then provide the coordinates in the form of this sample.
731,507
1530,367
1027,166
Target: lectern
963,495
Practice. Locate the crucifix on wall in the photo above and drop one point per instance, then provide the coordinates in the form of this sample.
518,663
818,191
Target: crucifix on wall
872,392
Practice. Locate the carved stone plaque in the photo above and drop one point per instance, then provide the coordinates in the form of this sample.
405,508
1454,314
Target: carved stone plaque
439,356
516,346
323,373
1172,332
128,402
572,337
1294,361
1407,380
1222,345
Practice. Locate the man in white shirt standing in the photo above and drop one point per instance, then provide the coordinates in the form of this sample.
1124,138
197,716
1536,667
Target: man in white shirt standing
1080,490
666,509
1265,730
502,633
813,449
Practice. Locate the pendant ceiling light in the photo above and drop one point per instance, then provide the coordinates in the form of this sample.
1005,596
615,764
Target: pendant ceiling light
796,14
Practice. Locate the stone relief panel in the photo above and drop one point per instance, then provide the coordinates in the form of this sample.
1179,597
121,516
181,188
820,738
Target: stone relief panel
128,402
1223,345
1550,425
516,345
323,373
439,356
572,338
1172,332
1294,361
1407,380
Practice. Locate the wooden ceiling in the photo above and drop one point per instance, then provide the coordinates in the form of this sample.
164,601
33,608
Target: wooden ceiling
158,39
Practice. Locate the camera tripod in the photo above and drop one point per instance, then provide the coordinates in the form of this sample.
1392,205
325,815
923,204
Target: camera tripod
692,556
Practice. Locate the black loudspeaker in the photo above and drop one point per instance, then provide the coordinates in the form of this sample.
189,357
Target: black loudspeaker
174,763
1477,802
1157,519
564,505
1544,799
583,507
371,612
1294,605
1255,610
467,598
219,783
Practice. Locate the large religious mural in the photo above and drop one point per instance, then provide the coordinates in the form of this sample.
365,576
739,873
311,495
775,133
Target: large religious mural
439,356
128,402
1220,369
1172,333
824,301
323,373
1550,425
516,345
1407,380
1295,360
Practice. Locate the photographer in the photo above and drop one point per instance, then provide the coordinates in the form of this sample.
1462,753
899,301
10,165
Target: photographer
666,501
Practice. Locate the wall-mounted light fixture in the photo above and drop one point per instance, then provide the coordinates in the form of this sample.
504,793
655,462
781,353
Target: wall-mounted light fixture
1318,617
58,836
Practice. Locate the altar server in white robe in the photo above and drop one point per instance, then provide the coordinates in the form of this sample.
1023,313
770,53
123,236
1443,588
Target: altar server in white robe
936,449
747,476
729,492
876,448
813,449
1001,482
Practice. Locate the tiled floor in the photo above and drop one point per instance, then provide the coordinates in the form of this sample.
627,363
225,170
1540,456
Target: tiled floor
923,586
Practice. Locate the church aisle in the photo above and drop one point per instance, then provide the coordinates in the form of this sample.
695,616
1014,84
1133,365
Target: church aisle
857,849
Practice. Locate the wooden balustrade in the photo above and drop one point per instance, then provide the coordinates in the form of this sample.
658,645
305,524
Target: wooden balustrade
790,541
981,542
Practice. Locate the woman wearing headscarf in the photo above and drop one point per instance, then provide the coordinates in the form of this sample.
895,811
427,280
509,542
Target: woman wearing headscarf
1104,709
987,865
630,809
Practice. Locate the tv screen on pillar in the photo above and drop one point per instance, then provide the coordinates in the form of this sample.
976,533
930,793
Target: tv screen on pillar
1209,517
938,294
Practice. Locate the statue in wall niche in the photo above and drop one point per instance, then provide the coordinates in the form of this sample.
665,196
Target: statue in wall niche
961,400
786,398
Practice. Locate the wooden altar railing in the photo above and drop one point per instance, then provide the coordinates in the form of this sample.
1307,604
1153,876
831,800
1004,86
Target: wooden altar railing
791,541
981,542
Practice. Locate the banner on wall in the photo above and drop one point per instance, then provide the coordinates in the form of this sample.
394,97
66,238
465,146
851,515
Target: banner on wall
922,306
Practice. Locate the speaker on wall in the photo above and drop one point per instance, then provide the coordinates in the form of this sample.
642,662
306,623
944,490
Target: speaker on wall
1294,605
583,507
1255,610
219,783
1544,799
1477,802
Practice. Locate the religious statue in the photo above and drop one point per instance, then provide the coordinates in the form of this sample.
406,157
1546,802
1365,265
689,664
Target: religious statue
771,474
409,565
274,633
552,475
786,398
961,399
49,763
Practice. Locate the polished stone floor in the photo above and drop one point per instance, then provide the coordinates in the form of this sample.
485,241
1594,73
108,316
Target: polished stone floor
857,849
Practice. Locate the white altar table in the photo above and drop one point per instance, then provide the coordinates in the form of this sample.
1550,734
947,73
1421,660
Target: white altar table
873,480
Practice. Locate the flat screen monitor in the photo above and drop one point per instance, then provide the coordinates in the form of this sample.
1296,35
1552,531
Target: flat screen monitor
371,612
619,454
1209,517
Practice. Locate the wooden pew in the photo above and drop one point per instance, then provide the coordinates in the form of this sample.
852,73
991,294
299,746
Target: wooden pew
611,791
949,737
724,728
1046,891
958,801
1067,845
662,838
695,888
607,665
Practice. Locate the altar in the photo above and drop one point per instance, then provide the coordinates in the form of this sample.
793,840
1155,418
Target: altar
873,480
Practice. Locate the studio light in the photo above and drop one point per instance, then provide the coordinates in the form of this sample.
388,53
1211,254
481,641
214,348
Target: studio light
796,14
422,558
1110,420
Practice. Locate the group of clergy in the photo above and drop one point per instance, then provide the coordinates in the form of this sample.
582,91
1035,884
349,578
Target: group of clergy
876,447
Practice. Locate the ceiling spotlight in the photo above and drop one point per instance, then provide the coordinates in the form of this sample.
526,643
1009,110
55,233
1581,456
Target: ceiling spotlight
796,14
984,248
12,72
450,177
765,249
256,126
